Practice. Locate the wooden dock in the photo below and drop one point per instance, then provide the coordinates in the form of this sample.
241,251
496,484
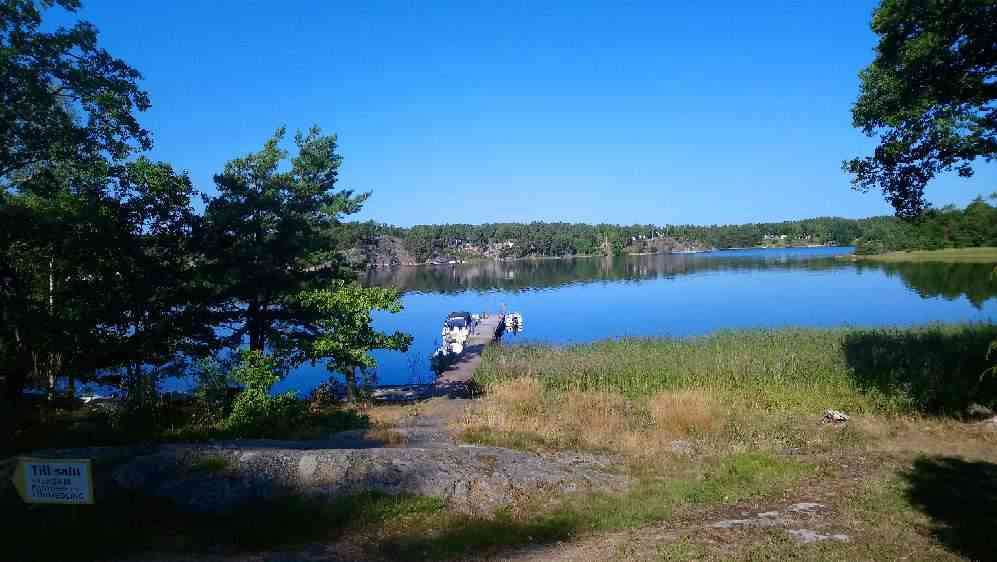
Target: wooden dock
489,329
453,381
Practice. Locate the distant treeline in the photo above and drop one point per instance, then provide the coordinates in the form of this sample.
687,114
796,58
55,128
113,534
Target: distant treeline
949,227
555,239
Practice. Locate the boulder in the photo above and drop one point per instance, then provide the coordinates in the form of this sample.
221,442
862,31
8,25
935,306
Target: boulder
471,479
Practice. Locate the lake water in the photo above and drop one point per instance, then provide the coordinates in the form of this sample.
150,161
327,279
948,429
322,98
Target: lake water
587,299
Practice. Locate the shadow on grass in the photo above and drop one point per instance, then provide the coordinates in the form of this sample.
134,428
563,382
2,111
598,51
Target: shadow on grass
39,426
961,497
129,526
935,370
409,528
463,536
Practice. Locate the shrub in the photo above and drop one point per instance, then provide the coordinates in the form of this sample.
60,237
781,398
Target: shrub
255,411
212,393
324,396
141,403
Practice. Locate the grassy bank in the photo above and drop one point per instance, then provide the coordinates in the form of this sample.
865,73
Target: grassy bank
707,429
672,408
934,369
950,255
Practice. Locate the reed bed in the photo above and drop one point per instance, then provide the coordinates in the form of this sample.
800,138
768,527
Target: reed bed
730,391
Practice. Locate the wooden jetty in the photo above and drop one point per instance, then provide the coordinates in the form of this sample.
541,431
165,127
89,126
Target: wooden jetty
453,381
488,330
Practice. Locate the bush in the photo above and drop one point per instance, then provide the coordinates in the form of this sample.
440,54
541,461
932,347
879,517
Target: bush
141,403
255,412
213,393
869,247
324,396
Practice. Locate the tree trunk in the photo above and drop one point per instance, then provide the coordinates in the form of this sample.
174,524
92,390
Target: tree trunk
255,324
351,385
50,367
16,376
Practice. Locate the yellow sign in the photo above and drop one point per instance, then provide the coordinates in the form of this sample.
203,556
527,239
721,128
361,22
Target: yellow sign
65,481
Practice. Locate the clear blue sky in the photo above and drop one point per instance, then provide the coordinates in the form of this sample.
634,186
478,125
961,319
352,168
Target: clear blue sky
637,112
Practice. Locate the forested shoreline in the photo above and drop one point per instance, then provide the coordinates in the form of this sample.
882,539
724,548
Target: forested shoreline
375,244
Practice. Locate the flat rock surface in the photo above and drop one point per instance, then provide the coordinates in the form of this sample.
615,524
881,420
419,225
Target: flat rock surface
423,458
471,479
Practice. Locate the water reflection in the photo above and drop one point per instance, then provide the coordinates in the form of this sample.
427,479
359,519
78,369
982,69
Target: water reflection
947,280
928,280
550,273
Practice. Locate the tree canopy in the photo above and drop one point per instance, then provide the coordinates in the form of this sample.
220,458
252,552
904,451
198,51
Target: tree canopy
105,266
267,237
345,330
71,206
62,97
930,96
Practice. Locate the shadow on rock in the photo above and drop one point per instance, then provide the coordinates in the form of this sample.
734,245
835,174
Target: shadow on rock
961,498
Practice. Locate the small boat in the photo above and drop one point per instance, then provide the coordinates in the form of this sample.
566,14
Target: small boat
514,322
457,327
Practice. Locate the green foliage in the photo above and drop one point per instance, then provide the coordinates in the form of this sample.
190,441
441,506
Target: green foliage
946,228
255,411
212,392
106,268
99,271
928,95
70,205
62,97
268,235
141,405
935,229
104,265
345,326
517,240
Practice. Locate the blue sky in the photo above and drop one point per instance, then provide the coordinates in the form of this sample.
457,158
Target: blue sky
636,112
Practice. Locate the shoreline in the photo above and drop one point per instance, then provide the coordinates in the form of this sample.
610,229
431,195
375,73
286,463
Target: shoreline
979,254
588,256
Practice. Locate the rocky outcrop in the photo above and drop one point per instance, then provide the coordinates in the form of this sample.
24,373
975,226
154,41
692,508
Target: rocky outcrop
380,251
471,479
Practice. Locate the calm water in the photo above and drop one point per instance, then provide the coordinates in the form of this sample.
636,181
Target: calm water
586,299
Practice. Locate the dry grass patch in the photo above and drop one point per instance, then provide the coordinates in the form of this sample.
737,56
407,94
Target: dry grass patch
386,436
685,412
390,414
521,413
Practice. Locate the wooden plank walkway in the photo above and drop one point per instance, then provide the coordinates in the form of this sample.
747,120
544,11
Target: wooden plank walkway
454,380
463,369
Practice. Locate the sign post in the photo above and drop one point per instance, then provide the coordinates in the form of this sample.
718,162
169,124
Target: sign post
59,481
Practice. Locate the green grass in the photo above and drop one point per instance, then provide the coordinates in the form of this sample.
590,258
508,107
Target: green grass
933,369
948,255
768,389
717,482
933,508
210,464
771,387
